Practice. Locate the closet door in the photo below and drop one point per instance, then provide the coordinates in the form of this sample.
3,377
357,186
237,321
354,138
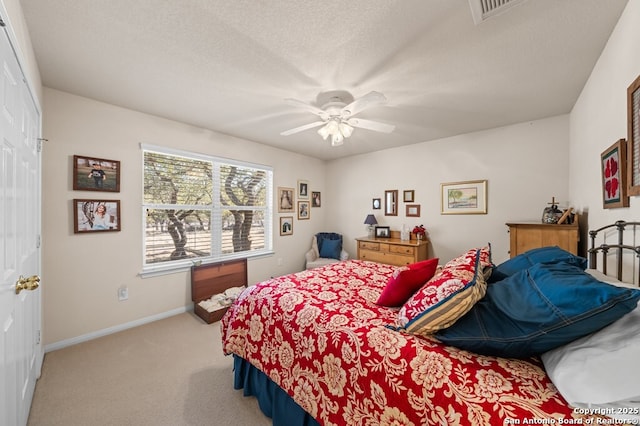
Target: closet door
20,303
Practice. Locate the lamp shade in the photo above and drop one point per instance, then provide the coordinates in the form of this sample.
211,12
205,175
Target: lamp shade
370,220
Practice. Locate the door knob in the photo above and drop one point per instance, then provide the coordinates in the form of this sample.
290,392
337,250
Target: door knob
30,283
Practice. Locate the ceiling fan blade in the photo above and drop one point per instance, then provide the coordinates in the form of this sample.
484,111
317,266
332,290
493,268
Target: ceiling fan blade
366,101
311,108
302,128
371,125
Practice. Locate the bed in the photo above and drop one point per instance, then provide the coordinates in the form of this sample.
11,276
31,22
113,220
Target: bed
320,347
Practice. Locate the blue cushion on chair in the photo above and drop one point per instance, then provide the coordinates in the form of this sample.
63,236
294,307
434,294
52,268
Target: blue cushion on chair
533,256
330,249
538,309
329,244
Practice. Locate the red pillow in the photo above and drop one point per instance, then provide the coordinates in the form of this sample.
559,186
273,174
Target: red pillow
406,281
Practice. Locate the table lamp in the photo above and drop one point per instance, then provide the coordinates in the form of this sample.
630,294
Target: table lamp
370,220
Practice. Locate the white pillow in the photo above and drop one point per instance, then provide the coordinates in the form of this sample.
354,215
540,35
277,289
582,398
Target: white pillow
608,279
600,371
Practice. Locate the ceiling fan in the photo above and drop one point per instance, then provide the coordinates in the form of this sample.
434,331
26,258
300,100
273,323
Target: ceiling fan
337,115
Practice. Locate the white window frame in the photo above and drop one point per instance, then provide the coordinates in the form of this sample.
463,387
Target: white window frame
216,216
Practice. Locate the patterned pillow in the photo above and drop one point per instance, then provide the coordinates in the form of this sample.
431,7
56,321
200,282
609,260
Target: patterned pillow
448,295
405,281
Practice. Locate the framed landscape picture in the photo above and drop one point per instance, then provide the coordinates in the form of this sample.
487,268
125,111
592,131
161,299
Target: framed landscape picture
95,174
468,197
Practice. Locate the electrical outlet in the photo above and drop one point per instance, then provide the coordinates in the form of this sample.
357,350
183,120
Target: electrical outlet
280,263
123,293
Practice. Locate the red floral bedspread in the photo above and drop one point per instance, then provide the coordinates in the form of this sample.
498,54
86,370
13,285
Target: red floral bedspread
320,336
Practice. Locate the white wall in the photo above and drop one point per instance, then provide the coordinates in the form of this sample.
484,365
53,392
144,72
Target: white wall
599,118
525,165
84,271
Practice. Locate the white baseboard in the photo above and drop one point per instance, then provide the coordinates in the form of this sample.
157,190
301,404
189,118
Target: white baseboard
121,327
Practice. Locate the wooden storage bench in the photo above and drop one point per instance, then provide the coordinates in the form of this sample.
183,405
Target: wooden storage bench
215,278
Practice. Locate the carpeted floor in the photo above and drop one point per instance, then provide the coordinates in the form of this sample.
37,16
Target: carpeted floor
170,372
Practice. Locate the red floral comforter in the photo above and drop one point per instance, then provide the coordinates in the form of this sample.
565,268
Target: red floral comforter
320,336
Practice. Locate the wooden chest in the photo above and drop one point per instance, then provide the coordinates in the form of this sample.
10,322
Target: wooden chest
215,278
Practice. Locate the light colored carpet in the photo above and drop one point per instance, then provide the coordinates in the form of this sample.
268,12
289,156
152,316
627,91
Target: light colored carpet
169,372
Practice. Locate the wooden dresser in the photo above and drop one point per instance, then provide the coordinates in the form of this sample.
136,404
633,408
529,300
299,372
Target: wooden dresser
392,251
528,235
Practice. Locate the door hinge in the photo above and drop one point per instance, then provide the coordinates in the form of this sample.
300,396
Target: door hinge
38,241
40,140
38,337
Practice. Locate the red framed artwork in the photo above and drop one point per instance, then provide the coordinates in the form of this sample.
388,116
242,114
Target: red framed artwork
614,176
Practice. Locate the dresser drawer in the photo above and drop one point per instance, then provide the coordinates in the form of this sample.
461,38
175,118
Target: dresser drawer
365,245
401,249
386,257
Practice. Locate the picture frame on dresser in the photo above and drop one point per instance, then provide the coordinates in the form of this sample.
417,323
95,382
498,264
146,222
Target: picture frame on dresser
613,163
633,137
382,232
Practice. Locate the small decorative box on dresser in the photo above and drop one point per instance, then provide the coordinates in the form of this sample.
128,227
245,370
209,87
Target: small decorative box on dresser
392,251
528,235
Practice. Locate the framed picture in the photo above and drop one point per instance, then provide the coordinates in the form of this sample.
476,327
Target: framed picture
303,190
383,232
413,210
96,215
285,200
95,174
376,204
304,212
633,137
407,196
315,199
286,225
614,176
468,197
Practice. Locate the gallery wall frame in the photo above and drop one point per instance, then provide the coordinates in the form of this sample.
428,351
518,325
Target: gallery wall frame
467,197
303,189
96,215
633,138
286,225
286,200
412,210
613,161
316,199
95,174
304,210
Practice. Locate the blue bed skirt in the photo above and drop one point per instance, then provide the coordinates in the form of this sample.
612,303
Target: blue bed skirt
273,401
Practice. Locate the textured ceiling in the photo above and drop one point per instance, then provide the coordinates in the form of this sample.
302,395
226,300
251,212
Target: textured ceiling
229,65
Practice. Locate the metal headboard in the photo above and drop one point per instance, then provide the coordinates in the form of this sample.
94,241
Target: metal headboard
619,249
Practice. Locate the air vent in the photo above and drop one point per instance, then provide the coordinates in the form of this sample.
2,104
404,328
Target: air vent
481,10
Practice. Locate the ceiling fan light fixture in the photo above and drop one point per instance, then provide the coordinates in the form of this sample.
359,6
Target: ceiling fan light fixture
324,132
345,129
337,139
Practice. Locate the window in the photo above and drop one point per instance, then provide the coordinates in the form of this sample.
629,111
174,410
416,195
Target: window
202,208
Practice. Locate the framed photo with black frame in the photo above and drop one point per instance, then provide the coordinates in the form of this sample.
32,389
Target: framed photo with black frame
383,232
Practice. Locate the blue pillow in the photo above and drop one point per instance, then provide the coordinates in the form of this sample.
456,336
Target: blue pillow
538,309
330,249
533,256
